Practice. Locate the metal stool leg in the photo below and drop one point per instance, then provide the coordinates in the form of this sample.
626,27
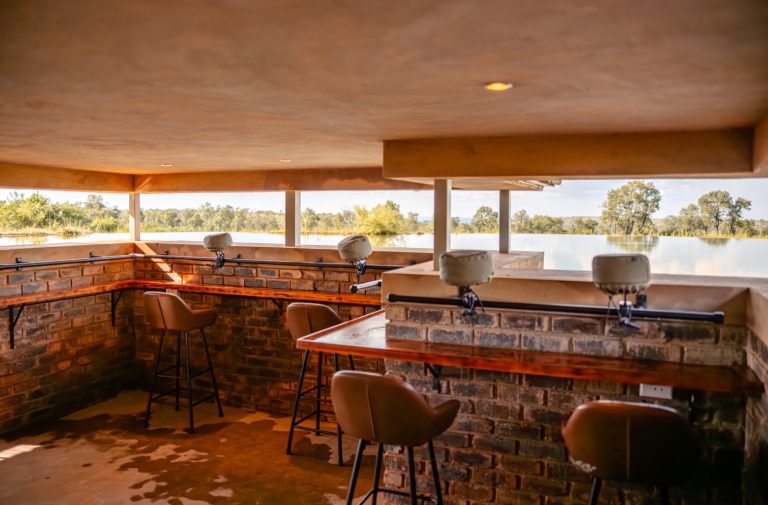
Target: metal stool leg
178,370
213,376
377,471
351,363
435,474
154,379
296,400
595,490
317,391
189,383
355,470
412,476
338,426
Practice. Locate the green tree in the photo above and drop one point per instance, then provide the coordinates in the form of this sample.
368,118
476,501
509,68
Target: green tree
521,222
383,219
629,209
485,220
736,219
714,207
583,226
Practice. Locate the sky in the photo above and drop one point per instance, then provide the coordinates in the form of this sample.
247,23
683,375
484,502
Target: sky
571,198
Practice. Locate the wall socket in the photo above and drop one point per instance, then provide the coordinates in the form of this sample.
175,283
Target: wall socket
656,391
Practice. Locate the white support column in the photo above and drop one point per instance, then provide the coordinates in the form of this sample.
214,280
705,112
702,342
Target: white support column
292,218
504,221
442,220
134,217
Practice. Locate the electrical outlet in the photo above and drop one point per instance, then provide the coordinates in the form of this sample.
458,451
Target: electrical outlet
656,391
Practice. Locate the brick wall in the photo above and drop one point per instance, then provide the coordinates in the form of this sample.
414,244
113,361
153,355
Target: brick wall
256,361
756,484
67,353
506,447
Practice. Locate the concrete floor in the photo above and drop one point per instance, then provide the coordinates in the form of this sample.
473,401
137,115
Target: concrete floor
104,455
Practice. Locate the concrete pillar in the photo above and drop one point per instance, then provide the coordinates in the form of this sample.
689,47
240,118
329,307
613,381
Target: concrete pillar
442,220
504,221
134,217
292,218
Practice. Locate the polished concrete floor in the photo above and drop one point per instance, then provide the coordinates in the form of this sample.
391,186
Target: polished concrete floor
104,455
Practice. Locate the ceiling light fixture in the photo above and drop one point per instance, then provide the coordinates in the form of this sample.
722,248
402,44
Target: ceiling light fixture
166,164
284,160
498,86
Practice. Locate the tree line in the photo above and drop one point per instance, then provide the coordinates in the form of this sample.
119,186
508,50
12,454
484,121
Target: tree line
627,210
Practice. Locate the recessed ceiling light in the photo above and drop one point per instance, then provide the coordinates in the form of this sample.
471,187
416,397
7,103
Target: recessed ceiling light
498,86
166,164
284,160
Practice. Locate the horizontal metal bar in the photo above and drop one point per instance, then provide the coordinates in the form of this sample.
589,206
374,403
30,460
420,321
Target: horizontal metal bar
212,259
354,288
710,317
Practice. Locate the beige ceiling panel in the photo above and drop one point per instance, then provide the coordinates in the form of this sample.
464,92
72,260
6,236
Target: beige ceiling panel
620,155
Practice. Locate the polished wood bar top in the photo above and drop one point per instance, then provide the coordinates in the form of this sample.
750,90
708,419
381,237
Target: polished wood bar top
273,294
365,336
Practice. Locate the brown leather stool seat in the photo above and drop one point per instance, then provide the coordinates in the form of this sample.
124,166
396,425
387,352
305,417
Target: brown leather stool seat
168,312
303,319
632,442
386,410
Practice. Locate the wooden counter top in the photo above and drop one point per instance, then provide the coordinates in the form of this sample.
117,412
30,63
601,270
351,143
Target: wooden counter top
273,294
365,337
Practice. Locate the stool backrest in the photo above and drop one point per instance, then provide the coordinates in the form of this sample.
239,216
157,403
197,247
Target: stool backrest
635,442
166,311
381,408
306,318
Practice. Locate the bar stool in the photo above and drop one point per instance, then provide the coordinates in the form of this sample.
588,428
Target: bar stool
303,319
386,410
168,312
633,442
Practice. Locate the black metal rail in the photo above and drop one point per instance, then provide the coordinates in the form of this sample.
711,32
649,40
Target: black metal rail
19,264
683,315
354,288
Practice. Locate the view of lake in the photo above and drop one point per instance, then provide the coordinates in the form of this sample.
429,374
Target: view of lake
674,255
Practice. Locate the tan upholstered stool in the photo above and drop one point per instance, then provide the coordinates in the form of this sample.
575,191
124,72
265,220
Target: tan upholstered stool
303,319
632,442
386,410
168,312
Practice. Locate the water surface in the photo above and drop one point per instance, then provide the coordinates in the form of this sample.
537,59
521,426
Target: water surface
674,255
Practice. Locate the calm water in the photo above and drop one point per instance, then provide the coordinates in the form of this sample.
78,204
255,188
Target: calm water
674,255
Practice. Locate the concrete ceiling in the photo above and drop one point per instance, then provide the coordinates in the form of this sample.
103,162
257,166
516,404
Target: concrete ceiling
127,86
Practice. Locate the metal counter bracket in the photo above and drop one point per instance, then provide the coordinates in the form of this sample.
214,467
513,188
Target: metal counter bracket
114,300
436,371
12,320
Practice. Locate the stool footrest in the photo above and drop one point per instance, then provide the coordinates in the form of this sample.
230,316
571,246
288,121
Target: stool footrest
327,412
316,432
421,498
194,375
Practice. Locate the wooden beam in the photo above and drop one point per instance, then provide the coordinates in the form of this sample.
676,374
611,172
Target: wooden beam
292,218
271,180
134,217
579,156
441,220
20,176
760,163
504,221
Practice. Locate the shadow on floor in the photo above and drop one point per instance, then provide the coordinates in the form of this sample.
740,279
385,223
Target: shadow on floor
104,455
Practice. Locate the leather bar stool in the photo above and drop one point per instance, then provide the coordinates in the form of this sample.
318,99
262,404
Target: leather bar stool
303,319
632,442
167,312
386,410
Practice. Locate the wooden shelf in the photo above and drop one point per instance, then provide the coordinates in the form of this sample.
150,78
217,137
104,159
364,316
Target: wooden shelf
365,337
